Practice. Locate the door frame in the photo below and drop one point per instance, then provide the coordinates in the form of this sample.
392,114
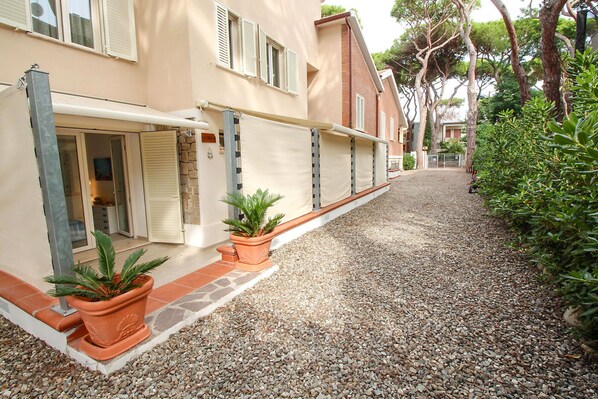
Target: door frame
125,168
84,181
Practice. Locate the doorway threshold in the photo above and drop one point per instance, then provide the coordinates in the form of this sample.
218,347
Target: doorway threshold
123,245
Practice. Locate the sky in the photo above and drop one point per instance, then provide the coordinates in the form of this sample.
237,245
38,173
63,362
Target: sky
380,29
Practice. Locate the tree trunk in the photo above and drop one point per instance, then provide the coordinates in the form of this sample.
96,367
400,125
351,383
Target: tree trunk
472,111
520,74
551,62
423,116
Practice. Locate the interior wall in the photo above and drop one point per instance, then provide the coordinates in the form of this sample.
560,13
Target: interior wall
98,146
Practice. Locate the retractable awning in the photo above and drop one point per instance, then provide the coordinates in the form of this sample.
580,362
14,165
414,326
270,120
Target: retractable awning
96,108
324,126
69,104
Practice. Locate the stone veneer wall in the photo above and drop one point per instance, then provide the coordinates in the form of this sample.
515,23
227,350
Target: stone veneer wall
189,177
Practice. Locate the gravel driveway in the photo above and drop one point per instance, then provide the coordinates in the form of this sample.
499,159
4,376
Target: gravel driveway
412,295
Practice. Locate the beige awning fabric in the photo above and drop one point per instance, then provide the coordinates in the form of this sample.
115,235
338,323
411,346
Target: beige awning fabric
364,161
68,104
381,164
277,157
335,168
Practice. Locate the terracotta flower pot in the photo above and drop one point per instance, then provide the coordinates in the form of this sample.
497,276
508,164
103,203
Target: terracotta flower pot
111,321
252,250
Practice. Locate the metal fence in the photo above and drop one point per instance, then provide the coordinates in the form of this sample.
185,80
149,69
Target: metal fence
445,160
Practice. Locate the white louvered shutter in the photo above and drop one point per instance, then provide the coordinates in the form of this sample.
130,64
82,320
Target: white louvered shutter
292,78
16,13
382,128
263,55
119,29
160,165
222,35
249,49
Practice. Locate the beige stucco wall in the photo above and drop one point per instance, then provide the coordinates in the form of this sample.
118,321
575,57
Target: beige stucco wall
289,23
71,68
163,44
326,90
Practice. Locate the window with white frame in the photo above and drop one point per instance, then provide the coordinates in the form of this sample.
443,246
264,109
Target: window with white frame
78,22
238,49
360,112
275,60
274,63
392,129
382,127
402,135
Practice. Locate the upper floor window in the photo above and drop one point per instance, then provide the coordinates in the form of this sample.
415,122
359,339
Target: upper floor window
360,113
80,22
392,129
382,125
273,63
244,47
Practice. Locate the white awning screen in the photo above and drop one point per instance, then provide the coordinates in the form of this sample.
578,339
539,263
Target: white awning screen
364,162
277,157
92,107
381,164
335,168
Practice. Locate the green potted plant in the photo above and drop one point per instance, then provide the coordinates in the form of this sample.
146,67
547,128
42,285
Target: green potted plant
252,235
112,305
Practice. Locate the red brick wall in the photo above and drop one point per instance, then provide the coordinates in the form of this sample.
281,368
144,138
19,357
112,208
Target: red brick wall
361,82
390,108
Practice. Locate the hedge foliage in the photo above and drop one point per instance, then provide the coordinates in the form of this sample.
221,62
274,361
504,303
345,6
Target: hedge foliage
542,176
408,162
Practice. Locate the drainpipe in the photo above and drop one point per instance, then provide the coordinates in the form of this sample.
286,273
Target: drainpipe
349,40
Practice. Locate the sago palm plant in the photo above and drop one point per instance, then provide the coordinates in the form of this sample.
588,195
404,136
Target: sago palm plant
88,283
254,208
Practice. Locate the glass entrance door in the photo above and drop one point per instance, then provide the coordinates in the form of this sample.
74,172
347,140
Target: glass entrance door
121,197
74,192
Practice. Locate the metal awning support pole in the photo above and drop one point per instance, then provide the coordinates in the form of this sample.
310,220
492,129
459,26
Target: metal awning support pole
315,169
387,161
353,167
231,156
374,164
50,176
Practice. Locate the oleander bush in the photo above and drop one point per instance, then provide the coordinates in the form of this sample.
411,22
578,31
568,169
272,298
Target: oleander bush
542,176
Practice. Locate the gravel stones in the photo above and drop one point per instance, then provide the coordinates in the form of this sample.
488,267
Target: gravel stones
413,295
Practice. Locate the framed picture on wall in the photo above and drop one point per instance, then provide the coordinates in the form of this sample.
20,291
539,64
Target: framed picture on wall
102,168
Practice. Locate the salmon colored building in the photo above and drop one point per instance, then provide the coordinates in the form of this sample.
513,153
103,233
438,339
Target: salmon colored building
392,124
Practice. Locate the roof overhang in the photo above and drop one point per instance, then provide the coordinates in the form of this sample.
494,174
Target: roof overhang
350,19
76,105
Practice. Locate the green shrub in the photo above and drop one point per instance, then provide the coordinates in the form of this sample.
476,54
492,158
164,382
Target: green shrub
542,177
453,146
254,208
408,162
88,283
